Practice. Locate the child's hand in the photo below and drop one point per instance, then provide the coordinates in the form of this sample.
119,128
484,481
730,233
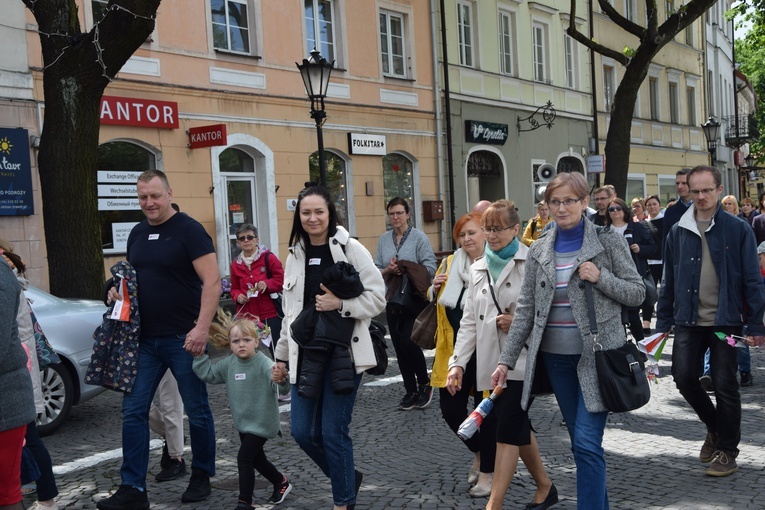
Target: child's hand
279,372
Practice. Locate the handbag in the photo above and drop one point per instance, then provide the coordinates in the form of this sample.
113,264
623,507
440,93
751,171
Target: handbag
377,332
405,299
276,297
621,371
426,323
45,353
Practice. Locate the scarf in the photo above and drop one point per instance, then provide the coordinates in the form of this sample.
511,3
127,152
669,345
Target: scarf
459,278
497,260
569,241
247,261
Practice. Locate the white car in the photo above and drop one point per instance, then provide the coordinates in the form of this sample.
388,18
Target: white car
69,325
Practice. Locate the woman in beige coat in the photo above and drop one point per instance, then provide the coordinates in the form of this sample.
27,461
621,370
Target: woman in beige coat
495,281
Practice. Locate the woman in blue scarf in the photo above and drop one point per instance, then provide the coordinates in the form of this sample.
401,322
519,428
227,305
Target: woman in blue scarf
493,289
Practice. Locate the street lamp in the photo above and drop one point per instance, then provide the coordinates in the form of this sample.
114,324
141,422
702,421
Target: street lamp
711,131
315,72
749,160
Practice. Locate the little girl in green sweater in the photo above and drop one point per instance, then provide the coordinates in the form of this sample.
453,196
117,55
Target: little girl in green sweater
252,398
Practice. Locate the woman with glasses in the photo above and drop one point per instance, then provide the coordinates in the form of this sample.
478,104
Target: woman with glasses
552,322
492,293
256,273
406,243
642,247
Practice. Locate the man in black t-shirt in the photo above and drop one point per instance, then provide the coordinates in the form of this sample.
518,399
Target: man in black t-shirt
178,293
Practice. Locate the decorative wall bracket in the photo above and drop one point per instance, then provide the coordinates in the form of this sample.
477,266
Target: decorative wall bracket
548,118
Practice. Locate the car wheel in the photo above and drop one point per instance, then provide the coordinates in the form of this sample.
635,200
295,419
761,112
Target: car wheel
58,394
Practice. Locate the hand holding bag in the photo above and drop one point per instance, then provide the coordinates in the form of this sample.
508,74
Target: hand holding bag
621,371
426,323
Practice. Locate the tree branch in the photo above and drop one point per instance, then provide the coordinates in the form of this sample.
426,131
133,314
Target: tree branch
594,46
683,17
627,25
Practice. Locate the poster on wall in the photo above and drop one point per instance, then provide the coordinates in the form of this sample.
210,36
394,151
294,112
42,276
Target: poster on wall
15,173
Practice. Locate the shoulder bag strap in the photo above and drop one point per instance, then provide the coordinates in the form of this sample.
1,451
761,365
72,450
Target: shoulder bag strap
494,297
268,268
590,308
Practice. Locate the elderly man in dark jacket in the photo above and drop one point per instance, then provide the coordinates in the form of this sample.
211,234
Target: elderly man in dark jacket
712,284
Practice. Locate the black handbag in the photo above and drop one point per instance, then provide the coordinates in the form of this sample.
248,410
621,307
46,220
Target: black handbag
621,371
405,299
377,332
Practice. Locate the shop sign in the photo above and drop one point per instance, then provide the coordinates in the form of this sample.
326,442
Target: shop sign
120,233
118,204
15,173
207,136
596,164
130,111
370,145
117,190
485,132
118,177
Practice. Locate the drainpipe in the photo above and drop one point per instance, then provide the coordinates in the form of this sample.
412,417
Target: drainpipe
437,101
448,108
735,105
594,89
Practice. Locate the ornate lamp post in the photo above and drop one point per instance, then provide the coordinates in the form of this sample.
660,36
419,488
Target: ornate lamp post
315,72
712,132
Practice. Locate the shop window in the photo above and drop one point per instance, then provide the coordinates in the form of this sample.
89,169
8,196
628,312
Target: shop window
667,189
392,44
119,164
336,181
231,25
635,188
398,181
320,21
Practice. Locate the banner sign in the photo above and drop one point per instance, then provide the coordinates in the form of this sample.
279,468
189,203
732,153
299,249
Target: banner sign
15,173
370,145
596,164
485,132
130,111
207,136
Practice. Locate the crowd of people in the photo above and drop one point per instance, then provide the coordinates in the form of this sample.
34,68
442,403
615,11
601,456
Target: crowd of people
510,312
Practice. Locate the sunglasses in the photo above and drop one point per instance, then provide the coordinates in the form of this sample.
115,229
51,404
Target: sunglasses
247,237
614,209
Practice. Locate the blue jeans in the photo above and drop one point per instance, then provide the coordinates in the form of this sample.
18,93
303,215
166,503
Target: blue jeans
155,356
688,350
320,426
584,428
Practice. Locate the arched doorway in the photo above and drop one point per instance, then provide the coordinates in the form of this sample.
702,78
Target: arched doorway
485,175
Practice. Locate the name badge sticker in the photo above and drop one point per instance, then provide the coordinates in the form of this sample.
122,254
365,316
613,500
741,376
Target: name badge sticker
314,262
240,377
153,237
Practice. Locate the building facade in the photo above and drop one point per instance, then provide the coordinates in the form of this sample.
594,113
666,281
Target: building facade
510,67
214,99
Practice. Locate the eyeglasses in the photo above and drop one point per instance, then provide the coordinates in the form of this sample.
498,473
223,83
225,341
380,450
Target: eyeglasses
614,209
565,203
396,213
494,230
705,191
247,237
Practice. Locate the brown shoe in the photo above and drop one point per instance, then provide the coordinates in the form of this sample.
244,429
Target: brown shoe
709,448
723,465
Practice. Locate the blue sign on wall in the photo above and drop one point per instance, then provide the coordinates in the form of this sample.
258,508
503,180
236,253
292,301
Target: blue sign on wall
15,173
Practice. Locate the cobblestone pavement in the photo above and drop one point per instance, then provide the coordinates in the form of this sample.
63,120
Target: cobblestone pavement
412,460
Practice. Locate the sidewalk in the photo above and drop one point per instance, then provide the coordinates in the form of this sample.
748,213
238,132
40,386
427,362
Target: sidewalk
412,460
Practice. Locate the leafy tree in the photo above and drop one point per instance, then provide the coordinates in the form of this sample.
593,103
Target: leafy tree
77,67
651,38
750,53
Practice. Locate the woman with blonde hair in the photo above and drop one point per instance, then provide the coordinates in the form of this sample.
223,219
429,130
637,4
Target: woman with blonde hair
730,204
537,224
638,209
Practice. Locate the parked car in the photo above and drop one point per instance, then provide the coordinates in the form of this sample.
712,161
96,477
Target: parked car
69,325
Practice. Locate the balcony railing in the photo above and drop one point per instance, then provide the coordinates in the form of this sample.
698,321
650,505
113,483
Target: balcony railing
738,135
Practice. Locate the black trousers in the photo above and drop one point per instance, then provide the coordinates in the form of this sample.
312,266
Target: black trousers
411,360
251,457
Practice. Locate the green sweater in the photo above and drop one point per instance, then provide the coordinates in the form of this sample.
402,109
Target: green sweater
252,396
